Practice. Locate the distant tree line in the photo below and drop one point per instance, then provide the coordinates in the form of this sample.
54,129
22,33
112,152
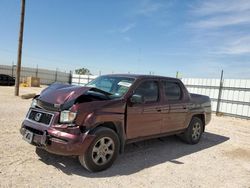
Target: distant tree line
83,71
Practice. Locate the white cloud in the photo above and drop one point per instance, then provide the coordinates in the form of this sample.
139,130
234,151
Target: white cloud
214,14
127,28
222,6
123,29
237,46
229,19
155,11
149,7
127,39
222,21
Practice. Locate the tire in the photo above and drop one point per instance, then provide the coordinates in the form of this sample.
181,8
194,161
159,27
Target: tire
102,152
193,133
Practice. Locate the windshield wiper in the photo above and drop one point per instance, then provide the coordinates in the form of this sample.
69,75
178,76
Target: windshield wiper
101,91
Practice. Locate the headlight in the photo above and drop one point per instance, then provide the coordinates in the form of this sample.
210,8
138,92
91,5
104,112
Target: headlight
67,116
33,103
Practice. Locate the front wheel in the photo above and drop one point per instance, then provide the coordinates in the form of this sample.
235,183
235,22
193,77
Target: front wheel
194,131
102,152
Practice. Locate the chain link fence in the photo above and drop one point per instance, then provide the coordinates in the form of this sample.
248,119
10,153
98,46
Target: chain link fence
46,76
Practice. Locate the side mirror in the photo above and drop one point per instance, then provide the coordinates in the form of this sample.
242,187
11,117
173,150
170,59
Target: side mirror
136,99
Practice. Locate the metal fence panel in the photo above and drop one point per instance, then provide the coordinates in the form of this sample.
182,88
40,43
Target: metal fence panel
82,79
235,94
46,76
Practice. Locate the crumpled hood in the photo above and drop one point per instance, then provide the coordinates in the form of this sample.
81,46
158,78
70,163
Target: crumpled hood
61,93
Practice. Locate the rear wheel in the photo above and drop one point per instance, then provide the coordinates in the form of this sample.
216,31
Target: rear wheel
194,131
102,152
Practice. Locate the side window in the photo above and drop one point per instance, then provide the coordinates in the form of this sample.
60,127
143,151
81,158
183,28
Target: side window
172,90
149,90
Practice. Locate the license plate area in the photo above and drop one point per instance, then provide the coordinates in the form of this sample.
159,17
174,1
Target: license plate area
28,136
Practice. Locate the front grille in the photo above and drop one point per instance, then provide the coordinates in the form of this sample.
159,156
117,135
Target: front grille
40,117
46,105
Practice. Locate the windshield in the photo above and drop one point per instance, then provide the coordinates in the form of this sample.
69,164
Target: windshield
116,86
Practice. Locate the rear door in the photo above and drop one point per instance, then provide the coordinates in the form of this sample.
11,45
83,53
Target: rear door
145,119
175,118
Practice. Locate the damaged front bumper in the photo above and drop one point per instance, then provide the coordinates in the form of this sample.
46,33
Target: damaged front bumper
56,141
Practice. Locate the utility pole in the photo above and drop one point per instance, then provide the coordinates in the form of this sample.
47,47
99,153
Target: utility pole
20,45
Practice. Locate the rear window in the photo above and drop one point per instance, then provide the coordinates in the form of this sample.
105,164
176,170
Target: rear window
172,90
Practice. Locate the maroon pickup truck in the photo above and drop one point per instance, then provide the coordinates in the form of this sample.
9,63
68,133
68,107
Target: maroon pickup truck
96,121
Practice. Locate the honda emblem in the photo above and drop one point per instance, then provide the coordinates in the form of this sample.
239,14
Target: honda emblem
38,116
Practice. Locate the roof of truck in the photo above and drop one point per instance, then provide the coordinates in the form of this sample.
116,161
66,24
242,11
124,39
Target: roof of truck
140,76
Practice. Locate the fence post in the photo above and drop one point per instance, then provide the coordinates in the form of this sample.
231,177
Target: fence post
177,74
70,77
12,73
219,95
56,75
36,71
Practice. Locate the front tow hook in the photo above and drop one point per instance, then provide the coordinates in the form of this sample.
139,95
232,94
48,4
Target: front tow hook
44,138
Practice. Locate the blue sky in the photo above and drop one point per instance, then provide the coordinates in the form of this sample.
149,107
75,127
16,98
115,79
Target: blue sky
196,38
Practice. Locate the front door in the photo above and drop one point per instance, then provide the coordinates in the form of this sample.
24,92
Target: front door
145,119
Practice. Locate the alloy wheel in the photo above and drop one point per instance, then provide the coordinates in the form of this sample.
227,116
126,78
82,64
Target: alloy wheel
196,131
103,151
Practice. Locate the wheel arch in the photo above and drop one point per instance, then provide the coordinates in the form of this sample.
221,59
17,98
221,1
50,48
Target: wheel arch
117,128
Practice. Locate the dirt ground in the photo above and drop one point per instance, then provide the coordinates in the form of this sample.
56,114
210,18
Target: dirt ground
221,159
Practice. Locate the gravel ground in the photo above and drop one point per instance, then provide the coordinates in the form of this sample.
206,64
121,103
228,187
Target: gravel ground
221,159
